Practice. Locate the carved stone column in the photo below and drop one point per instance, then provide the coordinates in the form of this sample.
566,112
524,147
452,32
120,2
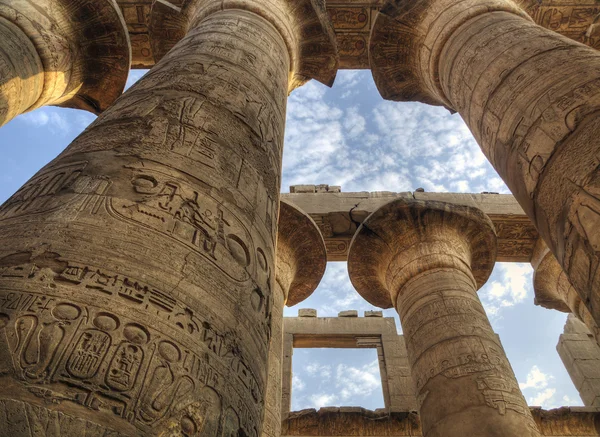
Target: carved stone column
531,98
72,53
554,291
137,269
428,259
300,265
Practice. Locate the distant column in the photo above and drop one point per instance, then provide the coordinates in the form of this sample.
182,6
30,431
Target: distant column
428,259
531,98
300,265
553,290
580,354
72,53
137,269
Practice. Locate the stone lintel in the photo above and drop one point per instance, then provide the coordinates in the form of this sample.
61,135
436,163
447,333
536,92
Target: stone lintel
339,214
406,237
326,422
301,253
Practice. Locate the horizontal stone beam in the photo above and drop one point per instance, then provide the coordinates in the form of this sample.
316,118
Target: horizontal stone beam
355,421
338,215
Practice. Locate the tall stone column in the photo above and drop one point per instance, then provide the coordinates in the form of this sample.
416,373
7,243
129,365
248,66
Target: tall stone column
554,291
72,53
137,269
531,98
428,259
300,264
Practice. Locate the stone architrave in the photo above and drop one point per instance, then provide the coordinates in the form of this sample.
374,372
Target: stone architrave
553,290
531,98
72,53
300,264
428,259
137,269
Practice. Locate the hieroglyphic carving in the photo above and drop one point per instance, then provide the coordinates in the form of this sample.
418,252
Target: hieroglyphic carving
108,360
40,194
428,258
576,21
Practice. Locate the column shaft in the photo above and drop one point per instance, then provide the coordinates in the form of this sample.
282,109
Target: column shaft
455,355
531,98
21,72
137,268
430,258
272,422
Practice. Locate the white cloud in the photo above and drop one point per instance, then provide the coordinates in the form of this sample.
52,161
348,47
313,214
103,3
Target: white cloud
297,383
49,117
535,379
354,123
543,399
314,368
319,400
513,287
353,381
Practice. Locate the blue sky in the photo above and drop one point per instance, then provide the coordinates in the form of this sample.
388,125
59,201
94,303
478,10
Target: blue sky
349,136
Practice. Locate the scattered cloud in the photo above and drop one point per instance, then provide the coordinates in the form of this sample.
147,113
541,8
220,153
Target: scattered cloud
49,117
537,391
354,381
512,285
535,379
337,137
319,400
297,383
324,371
543,399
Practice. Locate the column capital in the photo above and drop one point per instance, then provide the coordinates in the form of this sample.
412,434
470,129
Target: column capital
408,37
550,284
83,46
301,253
405,238
304,25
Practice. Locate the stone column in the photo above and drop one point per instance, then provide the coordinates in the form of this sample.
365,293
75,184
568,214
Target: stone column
300,265
72,53
137,269
580,354
531,98
428,259
554,291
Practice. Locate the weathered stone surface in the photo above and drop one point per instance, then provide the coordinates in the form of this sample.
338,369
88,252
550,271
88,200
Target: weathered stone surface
353,20
428,259
554,291
373,314
339,215
307,312
321,188
300,265
72,53
348,313
534,116
580,353
302,24
137,269
560,422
